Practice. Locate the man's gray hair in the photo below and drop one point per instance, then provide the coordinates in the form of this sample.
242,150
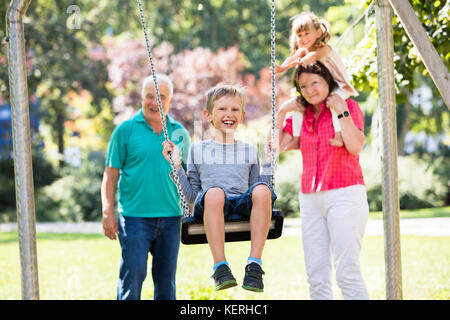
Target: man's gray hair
161,78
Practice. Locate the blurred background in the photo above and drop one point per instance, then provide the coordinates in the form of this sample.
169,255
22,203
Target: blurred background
86,61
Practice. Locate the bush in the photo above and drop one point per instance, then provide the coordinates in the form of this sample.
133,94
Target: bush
43,174
418,184
75,196
287,183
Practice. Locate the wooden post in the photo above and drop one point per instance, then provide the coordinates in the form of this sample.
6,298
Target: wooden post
388,127
427,52
23,169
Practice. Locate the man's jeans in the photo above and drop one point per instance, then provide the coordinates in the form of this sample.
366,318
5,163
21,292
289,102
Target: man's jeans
138,237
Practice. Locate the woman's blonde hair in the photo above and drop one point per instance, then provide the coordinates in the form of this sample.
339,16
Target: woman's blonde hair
307,21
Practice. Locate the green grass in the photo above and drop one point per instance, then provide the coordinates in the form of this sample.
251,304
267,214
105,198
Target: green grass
79,266
418,213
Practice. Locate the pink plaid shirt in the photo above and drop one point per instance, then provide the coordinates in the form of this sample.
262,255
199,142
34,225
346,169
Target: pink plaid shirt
327,167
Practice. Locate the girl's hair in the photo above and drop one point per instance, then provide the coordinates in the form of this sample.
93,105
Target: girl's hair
307,21
317,68
221,90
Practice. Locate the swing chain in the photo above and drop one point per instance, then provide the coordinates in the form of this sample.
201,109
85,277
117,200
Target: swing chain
186,211
274,146
161,112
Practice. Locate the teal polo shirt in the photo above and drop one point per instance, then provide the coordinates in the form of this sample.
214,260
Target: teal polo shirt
145,188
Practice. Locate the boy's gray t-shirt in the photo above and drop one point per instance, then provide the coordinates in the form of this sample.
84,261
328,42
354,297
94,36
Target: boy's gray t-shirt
233,167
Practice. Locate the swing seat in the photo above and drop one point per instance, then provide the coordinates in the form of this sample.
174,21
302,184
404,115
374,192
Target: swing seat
237,228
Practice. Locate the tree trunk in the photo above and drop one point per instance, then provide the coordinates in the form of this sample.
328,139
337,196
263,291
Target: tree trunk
60,137
404,127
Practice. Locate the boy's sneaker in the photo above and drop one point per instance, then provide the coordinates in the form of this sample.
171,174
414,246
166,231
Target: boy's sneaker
223,278
253,278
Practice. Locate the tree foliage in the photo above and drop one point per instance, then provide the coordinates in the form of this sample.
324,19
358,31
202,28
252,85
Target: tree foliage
192,72
409,69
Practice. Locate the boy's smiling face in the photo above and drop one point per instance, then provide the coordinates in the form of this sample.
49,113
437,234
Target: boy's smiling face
226,115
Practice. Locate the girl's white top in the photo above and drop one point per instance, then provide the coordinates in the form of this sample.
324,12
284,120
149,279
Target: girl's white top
337,69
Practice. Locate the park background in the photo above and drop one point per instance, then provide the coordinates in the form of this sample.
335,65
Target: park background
86,61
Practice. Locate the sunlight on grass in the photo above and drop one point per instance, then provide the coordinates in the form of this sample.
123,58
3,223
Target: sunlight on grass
86,267
417,213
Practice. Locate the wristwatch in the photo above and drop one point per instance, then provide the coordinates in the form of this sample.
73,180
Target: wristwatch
343,114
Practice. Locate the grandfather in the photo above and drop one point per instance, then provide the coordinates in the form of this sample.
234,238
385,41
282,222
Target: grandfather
148,203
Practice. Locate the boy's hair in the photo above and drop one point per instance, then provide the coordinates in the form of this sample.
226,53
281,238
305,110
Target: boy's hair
307,21
161,78
221,90
317,68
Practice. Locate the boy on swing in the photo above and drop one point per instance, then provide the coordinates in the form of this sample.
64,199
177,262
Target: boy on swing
223,177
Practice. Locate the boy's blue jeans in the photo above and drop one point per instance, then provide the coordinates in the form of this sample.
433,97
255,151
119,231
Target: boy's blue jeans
138,237
241,204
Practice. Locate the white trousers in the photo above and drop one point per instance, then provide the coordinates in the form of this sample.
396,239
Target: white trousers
333,223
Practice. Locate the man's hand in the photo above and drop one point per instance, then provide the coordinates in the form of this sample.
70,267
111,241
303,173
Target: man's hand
108,192
110,227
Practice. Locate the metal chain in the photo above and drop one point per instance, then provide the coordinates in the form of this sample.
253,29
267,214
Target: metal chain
186,211
274,145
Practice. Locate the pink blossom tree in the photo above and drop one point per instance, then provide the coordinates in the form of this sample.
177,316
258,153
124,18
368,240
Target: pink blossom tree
192,72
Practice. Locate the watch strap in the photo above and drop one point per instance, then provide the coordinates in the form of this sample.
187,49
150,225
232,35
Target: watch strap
343,114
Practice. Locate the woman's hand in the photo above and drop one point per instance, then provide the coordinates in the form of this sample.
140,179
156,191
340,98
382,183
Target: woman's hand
335,102
271,148
352,136
170,147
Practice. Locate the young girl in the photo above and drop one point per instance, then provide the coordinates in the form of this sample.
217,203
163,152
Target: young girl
308,40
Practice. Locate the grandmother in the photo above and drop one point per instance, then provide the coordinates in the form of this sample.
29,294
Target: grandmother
333,200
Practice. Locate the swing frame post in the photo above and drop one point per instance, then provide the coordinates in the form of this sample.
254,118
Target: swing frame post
23,170
388,127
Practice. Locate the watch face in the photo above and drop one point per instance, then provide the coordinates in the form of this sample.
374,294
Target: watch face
346,113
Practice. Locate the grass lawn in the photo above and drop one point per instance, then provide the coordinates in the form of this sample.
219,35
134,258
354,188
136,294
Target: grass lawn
79,266
442,212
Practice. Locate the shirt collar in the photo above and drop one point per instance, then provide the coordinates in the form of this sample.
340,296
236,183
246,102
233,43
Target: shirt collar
309,115
140,118
310,111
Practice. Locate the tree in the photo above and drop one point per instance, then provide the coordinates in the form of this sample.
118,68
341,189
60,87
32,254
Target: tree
61,62
193,72
409,69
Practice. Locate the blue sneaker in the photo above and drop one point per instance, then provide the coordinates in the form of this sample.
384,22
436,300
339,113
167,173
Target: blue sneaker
223,278
253,278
